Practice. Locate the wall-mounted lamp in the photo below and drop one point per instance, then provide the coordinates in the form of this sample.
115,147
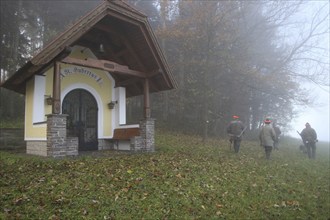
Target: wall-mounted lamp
111,104
101,49
49,99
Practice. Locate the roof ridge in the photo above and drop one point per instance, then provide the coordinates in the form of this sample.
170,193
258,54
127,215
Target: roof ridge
125,4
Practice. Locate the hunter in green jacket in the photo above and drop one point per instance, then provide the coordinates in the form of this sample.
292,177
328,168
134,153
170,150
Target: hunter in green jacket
309,138
267,137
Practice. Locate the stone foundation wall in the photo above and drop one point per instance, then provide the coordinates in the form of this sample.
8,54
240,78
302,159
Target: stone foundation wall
146,140
105,144
136,143
58,145
37,148
56,135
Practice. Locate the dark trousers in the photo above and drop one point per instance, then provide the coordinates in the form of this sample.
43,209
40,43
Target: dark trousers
237,144
311,149
268,150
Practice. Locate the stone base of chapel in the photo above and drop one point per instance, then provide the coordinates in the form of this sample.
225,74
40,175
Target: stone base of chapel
40,148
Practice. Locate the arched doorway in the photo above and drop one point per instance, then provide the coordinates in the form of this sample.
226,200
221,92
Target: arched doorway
81,108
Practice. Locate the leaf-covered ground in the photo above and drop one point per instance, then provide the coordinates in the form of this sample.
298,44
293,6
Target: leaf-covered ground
183,179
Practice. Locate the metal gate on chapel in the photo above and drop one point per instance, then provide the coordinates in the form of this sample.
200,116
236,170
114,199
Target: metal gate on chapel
81,108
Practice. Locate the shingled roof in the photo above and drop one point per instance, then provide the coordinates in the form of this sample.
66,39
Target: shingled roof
127,38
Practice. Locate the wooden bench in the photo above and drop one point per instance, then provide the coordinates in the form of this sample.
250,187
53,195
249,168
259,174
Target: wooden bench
125,133
121,134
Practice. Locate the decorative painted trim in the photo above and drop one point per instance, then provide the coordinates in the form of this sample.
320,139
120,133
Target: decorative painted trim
83,71
106,137
129,126
38,114
39,125
35,139
25,113
122,105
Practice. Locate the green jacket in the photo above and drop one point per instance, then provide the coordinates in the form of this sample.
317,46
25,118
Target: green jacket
235,129
308,135
267,135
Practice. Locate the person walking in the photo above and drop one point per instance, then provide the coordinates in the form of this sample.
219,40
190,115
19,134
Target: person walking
309,138
267,137
278,133
235,130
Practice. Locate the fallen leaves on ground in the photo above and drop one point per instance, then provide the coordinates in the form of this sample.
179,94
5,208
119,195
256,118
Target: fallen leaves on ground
183,179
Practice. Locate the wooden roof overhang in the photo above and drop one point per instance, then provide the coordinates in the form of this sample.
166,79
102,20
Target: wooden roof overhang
131,52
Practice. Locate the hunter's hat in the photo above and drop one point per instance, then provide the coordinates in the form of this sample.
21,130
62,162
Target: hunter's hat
267,120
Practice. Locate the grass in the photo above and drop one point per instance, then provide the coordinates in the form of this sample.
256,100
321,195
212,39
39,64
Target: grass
183,179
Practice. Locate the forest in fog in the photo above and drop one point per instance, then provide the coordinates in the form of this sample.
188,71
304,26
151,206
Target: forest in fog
245,58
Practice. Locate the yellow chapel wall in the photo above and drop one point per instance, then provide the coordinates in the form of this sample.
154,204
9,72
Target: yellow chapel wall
99,83
102,92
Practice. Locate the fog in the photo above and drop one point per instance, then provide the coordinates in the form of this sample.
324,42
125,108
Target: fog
318,117
317,114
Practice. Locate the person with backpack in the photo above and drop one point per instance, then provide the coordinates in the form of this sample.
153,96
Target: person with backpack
267,137
235,130
309,138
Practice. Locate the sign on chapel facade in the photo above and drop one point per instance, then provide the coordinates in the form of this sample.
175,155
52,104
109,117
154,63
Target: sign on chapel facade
76,87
